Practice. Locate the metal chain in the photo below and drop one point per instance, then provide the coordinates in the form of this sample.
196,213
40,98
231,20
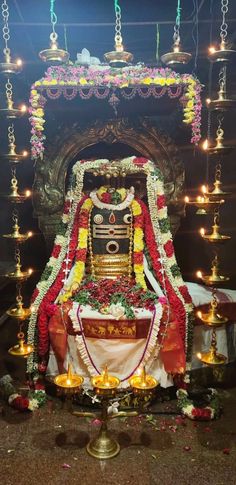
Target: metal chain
222,78
176,36
217,216
53,35
118,36
218,172
15,216
9,92
11,134
17,255
224,25
5,30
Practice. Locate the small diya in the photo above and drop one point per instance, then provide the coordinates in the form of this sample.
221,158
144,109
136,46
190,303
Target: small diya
105,384
143,383
69,382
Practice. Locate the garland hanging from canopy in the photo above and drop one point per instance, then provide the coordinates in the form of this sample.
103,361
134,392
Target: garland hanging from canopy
104,82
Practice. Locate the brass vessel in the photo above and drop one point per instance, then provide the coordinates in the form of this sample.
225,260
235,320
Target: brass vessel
53,53
176,56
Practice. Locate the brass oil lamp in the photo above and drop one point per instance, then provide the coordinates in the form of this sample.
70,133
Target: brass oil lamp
68,383
219,148
215,237
217,193
212,317
10,111
16,235
12,156
8,67
224,53
54,54
212,357
21,349
143,384
119,57
19,312
215,278
177,56
14,196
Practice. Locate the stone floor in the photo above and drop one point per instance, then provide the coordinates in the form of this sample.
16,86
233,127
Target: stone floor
49,447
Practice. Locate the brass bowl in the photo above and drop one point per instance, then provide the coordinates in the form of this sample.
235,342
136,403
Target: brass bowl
54,55
171,58
118,59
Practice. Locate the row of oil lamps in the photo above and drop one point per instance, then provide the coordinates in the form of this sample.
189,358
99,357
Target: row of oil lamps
103,446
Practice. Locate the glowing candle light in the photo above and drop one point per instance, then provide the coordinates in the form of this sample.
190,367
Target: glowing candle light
30,234
186,199
28,193
24,153
23,108
30,271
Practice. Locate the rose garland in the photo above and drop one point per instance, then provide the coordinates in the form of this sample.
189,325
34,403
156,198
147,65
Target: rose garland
70,76
157,234
206,413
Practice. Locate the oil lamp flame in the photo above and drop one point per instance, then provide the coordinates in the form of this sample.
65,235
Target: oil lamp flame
25,153
204,189
199,314
202,231
30,234
19,62
186,199
199,274
208,100
205,145
23,108
199,355
212,49
28,193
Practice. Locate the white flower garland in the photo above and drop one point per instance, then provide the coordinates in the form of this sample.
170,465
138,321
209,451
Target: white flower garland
118,207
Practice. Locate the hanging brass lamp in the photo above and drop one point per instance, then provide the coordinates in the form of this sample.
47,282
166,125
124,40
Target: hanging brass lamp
8,67
225,52
54,54
119,57
177,56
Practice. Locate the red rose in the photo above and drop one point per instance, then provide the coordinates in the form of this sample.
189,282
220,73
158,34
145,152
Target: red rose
140,161
56,251
138,258
169,249
20,403
161,202
106,198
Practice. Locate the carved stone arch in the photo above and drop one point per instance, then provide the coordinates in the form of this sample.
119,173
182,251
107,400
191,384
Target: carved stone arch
141,134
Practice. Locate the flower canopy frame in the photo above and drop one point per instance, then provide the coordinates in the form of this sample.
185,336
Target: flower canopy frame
104,82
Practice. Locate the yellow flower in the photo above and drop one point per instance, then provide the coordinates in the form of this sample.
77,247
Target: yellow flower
161,81
78,272
147,80
34,92
140,280
170,80
101,191
87,204
83,238
138,239
136,208
83,81
138,268
63,298
122,193
190,104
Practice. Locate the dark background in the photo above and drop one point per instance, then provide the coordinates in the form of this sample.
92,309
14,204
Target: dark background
90,24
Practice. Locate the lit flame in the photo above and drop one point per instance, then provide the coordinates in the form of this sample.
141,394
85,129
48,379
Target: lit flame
202,231
199,355
30,271
186,199
30,234
208,100
176,48
199,274
19,62
28,193
211,49
32,308
23,108
205,145
24,153
199,314
204,189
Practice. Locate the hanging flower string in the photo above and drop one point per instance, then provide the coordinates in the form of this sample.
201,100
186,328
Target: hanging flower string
102,81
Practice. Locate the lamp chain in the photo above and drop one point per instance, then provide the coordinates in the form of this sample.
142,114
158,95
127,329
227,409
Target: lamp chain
9,90
176,36
11,134
222,78
5,30
224,25
118,37
53,35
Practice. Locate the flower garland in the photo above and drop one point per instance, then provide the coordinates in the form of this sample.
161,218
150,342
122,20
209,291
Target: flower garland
206,413
81,252
105,197
138,244
105,77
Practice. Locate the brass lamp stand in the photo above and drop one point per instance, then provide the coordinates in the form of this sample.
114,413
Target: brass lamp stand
104,446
